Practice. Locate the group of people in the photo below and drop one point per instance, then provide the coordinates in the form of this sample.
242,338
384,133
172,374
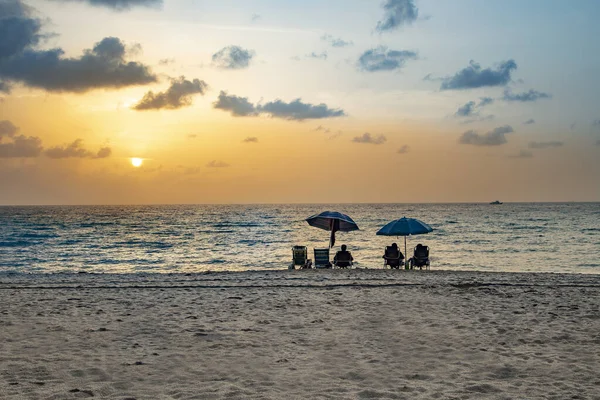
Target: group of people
392,256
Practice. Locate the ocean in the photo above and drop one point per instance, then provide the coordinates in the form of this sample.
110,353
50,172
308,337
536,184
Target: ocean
516,237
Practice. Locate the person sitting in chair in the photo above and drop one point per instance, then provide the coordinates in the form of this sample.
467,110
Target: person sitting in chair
421,257
343,258
393,256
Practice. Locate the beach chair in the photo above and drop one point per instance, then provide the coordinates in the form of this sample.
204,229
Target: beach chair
392,258
300,258
322,258
420,258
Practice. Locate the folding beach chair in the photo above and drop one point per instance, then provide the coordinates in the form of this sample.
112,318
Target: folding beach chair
420,258
322,258
392,257
300,258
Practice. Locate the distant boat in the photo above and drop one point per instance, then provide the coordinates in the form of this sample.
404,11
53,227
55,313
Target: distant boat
496,202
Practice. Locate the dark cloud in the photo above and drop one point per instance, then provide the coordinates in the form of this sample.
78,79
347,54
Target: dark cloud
119,5
492,138
294,110
237,106
178,95
18,28
474,76
7,129
484,101
76,150
21,146
104,66
232,57
397,13
382,59
251,139
545,145
529,122
335,42
321,128
471,108
297,110
5,87
217,164
531,95
404,149
522,154
467,110
319,56
367,138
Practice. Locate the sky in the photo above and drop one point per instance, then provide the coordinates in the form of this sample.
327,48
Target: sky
270,101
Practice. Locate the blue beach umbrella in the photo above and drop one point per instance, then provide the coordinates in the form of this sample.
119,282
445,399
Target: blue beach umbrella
332,221
405,227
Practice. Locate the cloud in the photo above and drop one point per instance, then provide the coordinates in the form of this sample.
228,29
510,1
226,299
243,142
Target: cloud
545,145
397,13
7,129
217,164
598,142
232,57
467,110
166,61
382,59
297,110
321,128
18,29
21,146
596,122
178,95
474,76
531,95
5,87
529,122
76,150
119,5
335,42
471,108
367,138
492,138
294,110
522,154
477,118
321,56
251,139
192,136
572,126
255,17
404,149
484,101
104,66
238,106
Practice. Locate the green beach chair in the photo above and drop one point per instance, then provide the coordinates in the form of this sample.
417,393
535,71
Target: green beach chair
322,258
300,258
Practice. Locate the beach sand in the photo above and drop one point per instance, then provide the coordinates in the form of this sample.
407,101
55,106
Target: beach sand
358,334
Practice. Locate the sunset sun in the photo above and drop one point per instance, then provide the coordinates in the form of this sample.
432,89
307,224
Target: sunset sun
137,162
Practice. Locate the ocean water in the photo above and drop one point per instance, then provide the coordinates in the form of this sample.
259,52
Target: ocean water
519,237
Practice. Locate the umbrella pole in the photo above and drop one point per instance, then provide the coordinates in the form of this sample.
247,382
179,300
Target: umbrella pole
405,254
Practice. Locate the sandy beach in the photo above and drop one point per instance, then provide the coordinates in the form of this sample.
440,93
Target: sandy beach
358,334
